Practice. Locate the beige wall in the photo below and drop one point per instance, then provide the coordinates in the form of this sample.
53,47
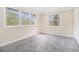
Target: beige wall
14,33
65,29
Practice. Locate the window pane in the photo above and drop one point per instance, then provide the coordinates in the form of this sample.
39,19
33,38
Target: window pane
12,17
25,18
25,21
12,21
33,19
50,20
54,20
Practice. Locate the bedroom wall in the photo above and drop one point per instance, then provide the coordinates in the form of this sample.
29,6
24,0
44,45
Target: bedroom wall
65,29
10,34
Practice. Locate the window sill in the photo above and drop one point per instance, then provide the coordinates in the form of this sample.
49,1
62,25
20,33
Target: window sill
14,26
54,26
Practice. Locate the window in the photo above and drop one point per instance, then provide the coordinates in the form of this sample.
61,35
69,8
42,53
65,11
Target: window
15,17
12,17
33,19
25,18
54,20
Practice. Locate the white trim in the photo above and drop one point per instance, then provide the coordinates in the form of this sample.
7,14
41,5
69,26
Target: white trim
16,40
4,17
76,24
60,35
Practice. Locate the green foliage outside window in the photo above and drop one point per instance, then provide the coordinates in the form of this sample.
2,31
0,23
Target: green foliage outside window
54,20
12,21
12,17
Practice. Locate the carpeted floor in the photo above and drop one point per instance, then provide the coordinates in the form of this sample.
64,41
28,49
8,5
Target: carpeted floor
43,43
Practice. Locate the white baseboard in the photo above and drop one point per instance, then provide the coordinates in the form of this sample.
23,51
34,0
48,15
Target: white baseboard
60,35
16,40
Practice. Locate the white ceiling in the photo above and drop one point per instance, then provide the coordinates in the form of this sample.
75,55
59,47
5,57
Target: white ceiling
44,10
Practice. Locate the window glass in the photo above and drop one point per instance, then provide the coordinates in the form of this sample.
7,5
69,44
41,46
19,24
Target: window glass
12,17
54,20
25,18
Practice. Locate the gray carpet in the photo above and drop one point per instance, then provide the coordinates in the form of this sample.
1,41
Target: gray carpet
43,43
